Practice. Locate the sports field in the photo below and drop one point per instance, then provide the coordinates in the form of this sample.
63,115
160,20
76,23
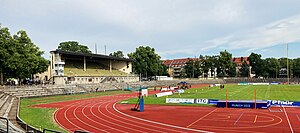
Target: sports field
100,112
235,92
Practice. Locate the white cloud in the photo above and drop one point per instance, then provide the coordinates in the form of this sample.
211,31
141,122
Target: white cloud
172,27
282,31
162,16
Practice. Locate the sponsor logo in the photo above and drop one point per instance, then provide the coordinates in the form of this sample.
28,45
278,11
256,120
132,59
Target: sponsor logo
179,100
278,102
201,101
241,105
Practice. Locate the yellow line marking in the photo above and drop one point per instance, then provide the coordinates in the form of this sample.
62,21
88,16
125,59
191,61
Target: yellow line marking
255,119
202,117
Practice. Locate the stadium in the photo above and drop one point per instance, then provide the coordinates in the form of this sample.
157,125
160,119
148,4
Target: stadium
107,66
96,93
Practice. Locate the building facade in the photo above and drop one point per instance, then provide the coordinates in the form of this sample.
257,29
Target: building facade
176,66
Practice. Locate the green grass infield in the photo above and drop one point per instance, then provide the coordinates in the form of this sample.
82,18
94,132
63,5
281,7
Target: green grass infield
235,92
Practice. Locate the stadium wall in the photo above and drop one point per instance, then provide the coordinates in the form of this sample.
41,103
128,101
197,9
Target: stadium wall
62,80
122,66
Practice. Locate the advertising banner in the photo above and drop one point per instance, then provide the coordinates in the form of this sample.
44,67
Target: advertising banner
259,83
180,100
192,101
164,94
144,92
285,103
201,101
243,83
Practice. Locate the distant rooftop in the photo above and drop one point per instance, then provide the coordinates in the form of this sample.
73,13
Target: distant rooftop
181,62
177,62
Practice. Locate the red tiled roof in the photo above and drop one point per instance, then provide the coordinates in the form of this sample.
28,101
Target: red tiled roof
181,62
239,60
177,62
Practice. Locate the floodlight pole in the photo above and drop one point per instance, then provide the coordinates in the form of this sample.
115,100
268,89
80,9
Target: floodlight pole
287,63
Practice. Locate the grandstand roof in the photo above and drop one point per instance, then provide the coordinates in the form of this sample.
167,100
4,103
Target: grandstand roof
90,55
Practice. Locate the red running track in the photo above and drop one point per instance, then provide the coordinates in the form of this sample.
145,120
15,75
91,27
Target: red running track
102,114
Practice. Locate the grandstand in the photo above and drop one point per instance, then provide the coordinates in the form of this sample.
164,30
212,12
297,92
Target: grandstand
84,68
8,110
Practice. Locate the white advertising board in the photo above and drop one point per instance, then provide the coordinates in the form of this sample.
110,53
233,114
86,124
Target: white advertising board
179,100
164,94
259,83
144,92
201,101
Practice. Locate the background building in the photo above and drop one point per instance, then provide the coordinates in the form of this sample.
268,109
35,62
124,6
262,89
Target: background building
176,66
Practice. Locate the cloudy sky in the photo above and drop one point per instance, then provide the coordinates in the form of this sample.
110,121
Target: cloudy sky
175,28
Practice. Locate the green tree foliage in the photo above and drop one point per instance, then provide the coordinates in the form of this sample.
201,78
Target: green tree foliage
146,62
192,69
283,65
189,69
272,67
225,65
117,54
163,70
244,71
74,47
5,42
257,64
21,58
296,67
208,63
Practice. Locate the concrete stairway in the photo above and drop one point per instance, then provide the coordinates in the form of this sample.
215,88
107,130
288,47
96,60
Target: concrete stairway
8,108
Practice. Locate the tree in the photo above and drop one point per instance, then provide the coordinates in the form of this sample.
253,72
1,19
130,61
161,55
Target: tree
296,67
74,47
20,57
5,42
163,70
29,57
192,69
272,67
225,65
283,66
208,63
197,71
117,54
257,64
146,62
189,69
244,69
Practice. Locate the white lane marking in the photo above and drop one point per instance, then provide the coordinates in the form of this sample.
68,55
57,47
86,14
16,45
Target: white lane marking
202,117
154,122
292,131
238,119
